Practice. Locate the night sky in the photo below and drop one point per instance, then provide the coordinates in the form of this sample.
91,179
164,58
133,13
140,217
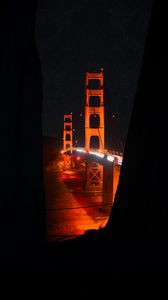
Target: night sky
74,37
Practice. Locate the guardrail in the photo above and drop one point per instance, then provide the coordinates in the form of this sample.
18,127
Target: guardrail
108,154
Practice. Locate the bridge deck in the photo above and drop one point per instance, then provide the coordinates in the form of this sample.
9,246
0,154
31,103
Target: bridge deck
69,209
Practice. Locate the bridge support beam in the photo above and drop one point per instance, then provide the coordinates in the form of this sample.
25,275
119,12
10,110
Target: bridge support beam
94,177
108,183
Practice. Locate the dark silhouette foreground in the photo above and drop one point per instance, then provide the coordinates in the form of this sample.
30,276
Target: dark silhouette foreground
135,238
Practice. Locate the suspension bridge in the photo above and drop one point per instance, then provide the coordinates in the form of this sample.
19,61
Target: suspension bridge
100,162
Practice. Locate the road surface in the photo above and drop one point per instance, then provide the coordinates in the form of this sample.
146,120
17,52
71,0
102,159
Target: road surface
70,211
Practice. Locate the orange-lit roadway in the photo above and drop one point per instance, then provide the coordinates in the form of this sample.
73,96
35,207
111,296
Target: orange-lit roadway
70,211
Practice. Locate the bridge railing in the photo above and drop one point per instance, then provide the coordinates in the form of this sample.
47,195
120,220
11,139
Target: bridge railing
109,154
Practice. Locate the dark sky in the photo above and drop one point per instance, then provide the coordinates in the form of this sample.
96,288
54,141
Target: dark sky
84,36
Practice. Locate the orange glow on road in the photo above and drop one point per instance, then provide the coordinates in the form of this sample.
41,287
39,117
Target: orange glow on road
71,211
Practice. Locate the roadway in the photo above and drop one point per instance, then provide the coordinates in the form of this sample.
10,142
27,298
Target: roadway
70,211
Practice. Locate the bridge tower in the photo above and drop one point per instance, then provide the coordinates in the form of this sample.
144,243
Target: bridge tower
67,141
94,127
67,135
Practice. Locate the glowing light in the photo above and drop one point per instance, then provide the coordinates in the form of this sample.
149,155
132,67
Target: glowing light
91,152
97,154
62,151
110,158
81,150
100,155
119,159
78,158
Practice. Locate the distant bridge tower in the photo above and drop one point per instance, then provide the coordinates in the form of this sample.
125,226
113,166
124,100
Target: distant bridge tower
67,135
94,127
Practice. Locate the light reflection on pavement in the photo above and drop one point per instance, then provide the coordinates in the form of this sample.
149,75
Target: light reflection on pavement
70,210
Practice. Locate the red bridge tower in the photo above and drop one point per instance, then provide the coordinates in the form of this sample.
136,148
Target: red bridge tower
67,136
94,128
